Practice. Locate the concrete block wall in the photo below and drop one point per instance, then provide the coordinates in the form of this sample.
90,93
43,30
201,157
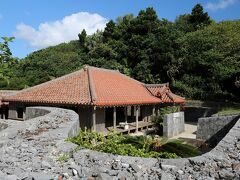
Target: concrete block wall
173,124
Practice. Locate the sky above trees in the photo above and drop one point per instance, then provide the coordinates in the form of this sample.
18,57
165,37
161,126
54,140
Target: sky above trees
39,24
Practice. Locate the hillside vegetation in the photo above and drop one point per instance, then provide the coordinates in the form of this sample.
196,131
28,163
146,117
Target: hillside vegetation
199,57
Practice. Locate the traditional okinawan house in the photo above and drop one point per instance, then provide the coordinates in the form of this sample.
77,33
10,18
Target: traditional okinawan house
4,105
104,99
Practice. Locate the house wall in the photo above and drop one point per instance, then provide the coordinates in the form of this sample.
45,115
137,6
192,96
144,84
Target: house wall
146,112
4,112
12,112
85,117
100,119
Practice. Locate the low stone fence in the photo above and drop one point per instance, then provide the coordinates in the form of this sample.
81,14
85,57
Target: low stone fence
33,149
214,127
33,112
173,124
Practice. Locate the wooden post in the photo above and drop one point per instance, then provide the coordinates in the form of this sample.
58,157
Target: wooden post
94,118
114,118
126,114
153,111
137,118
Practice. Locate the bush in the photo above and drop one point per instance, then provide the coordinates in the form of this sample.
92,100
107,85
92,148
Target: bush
158,120
141,146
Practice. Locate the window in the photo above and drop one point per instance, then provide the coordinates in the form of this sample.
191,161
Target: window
20,113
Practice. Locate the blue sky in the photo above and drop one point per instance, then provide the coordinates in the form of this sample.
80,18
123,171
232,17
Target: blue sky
39,24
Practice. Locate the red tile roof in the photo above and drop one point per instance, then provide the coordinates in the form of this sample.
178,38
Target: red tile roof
69,89
89,86
114,88
4,93
163,92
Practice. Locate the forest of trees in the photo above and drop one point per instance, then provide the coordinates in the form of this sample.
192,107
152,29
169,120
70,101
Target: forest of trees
198,56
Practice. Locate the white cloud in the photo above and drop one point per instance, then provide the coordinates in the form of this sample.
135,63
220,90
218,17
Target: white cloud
222,4
52,33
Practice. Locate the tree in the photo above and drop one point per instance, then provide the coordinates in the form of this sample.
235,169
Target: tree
6,60
82,37
194,21
109,30
211,60
198,18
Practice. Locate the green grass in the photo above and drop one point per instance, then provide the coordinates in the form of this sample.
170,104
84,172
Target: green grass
140,146
181,148
228,111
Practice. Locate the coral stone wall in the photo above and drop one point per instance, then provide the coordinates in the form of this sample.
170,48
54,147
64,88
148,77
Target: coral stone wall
211,126
33,149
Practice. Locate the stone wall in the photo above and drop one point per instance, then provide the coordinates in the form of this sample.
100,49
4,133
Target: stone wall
32,149
210,126
173,124
33,112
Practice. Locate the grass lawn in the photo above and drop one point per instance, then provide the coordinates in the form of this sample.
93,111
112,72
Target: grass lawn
228,111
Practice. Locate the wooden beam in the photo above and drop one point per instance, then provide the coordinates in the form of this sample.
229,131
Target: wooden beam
114,118
94,118
137,109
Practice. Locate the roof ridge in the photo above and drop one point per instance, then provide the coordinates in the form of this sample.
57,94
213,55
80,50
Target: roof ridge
91,85
44,83
102,69
157,85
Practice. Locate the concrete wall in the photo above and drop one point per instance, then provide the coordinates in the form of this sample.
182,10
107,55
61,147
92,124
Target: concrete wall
173,124
211,127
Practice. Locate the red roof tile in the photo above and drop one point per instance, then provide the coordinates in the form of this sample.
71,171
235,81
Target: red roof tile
113,88
4,93
69,89
163,92
93,86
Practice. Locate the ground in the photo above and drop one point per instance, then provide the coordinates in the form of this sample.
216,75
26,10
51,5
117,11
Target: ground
190,131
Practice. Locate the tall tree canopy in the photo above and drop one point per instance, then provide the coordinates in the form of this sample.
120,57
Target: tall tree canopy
6,60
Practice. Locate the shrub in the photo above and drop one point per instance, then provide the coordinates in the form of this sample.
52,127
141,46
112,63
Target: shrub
158,120
141,146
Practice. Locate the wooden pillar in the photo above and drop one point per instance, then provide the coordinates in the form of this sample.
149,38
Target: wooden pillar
125,114
153,111
94,118
114,118
137,109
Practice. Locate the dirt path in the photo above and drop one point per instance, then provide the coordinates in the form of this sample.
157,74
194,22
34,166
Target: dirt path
190,131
